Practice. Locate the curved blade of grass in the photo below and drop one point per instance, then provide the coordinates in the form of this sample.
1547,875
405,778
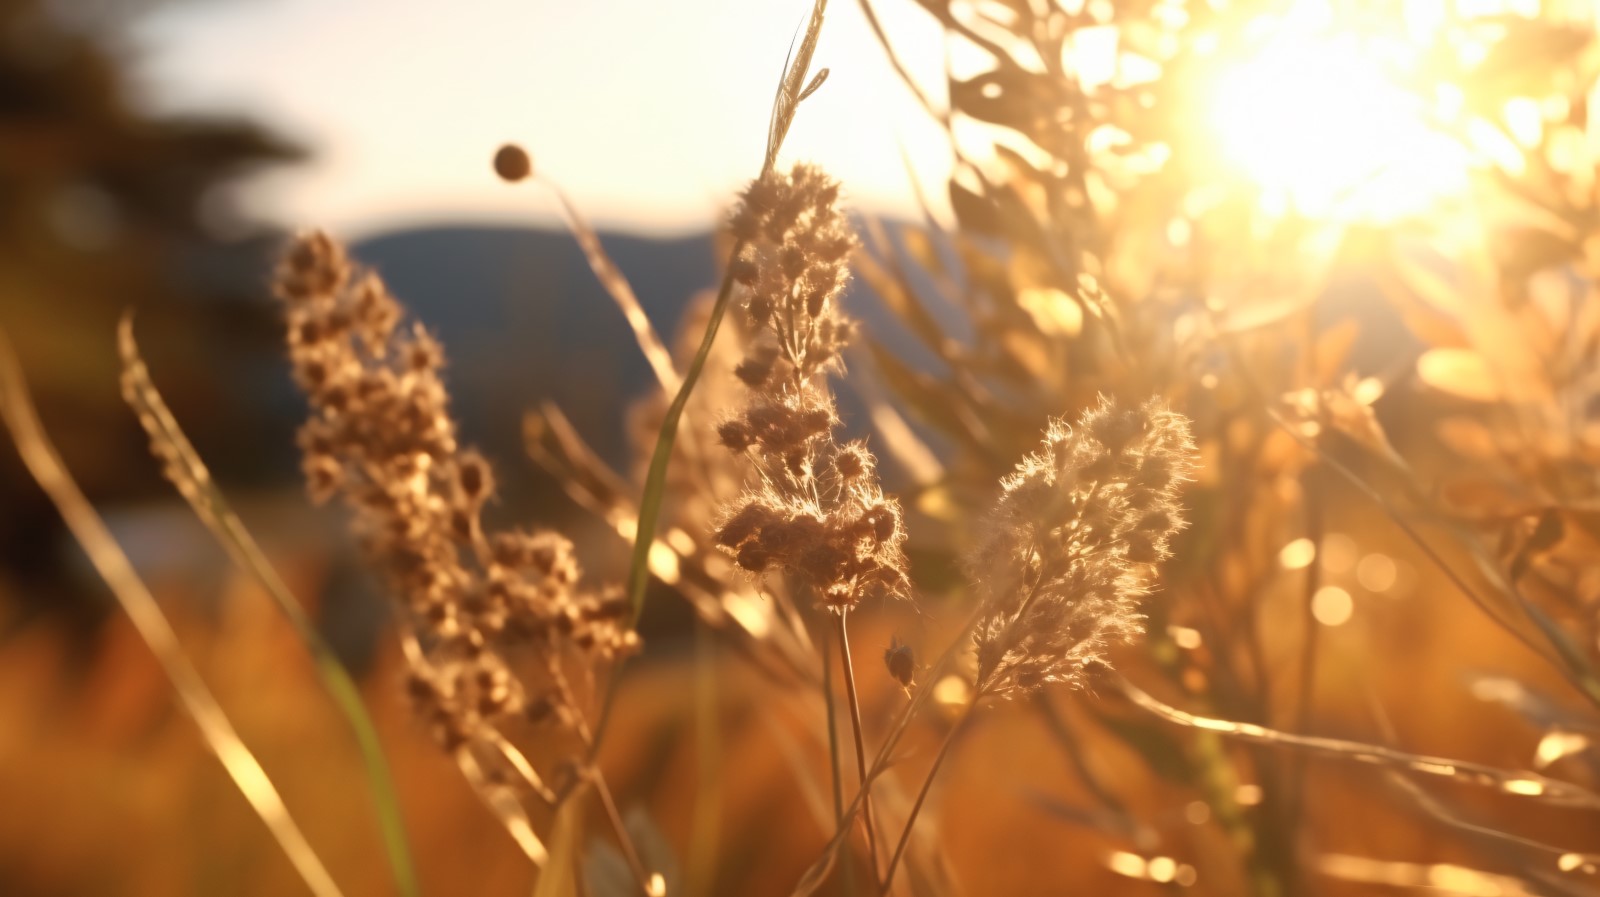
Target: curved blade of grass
186,471
655,480
47,469
616,284
1507,781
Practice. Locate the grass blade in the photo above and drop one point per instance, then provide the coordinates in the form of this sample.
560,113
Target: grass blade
186,471
46,467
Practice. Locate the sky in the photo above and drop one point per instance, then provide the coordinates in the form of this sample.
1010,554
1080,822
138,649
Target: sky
649,113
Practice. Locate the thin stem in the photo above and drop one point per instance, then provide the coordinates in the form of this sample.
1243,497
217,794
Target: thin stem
833,729
645,878
1308,657
823,866
861,752
927,783
706,817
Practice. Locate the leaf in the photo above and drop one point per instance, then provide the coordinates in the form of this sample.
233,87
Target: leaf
559,878
889,281
606,872
790,89
974,211
1012,97
938,404
1462,373
1468,437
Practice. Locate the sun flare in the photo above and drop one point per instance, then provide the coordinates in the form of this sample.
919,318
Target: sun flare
1328,119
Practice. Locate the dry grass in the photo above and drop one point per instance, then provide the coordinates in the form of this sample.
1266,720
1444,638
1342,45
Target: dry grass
1259,615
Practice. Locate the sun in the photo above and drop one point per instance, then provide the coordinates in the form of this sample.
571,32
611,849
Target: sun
1329,119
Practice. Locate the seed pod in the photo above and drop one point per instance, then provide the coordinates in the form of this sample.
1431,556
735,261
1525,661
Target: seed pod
512,163
901,661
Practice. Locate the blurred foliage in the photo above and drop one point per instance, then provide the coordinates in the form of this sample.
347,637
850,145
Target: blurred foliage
102,208
1391,407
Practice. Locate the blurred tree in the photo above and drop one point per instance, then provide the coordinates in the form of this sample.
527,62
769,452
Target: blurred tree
103,208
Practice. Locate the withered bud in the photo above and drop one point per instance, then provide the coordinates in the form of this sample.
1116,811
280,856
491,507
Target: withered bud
1116,427
742,525
755,370
852,462
324,476
753,557
315,265
901,661
735,434
760,309
475,477
512,163
423,353
540,709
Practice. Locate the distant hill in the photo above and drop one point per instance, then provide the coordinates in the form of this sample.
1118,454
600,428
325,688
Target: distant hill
524,320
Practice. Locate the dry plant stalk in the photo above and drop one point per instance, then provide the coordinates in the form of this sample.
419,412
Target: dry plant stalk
1066,555
500,636
46,467
815,511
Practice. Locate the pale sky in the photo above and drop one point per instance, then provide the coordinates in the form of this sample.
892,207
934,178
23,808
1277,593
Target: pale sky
650,113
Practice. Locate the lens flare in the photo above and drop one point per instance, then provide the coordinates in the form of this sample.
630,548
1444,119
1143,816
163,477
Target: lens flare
1328,120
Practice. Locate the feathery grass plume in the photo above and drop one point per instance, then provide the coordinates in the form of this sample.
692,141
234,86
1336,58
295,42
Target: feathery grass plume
381,437
816,511
1064,557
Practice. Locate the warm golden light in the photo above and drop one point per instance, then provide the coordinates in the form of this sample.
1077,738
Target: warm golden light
1317,118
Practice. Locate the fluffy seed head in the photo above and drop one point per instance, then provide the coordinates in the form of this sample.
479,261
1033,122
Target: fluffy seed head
1065,557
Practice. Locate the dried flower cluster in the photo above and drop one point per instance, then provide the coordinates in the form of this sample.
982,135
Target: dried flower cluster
816,511
380,435
1064,558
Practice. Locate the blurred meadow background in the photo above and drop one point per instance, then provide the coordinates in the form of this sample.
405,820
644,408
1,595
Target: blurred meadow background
1354,244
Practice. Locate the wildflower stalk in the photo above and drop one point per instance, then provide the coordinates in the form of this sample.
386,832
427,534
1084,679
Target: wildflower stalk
381,437
835,768
188,473
790,93
861,753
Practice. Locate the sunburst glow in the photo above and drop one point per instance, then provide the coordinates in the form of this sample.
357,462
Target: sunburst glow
1332,119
